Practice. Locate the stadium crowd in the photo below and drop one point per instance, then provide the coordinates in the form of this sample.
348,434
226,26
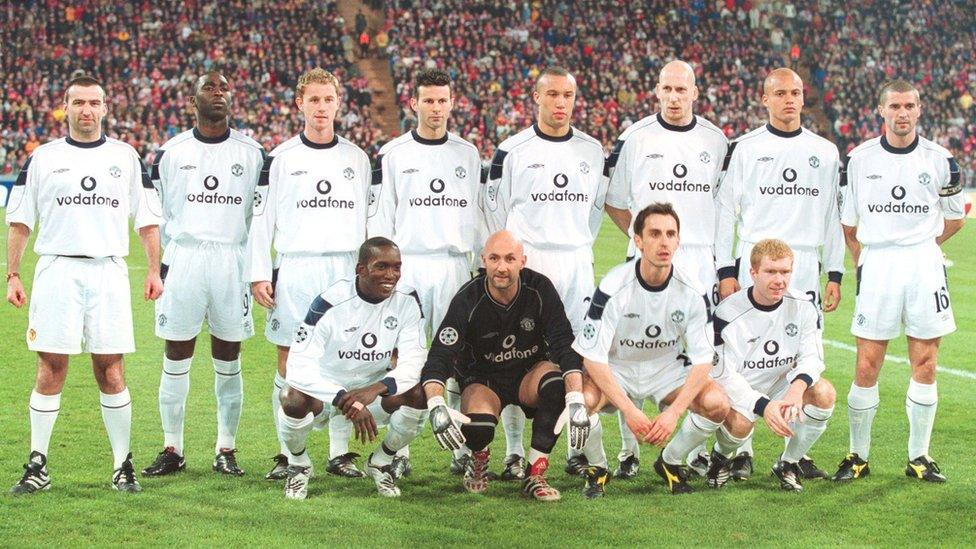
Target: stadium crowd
149,53
851,52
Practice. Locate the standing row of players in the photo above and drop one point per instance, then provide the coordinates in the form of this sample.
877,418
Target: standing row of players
317,197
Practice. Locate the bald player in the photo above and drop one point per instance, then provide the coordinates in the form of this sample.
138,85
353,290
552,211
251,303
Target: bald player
781,181
672,156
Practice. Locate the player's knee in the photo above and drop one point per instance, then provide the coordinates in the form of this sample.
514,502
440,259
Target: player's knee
480,431
822,394
225,350
293,403
737,425
715,405
410,421
180,350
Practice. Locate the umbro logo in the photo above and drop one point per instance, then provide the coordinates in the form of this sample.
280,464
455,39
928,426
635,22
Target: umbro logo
753,340
765,159
299,172
353,329
654,156
188,167
874,176
410,170
62,170
632,315
489,335
533,166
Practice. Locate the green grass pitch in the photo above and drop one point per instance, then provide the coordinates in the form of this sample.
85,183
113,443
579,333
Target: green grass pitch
199,508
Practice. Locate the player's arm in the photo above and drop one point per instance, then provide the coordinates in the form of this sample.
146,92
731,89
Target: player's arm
725,219
833,248
21,216
444,351
848,206
258,253
617,169
952,203
809,361
498,191
17,237
382,199
147,217
412,351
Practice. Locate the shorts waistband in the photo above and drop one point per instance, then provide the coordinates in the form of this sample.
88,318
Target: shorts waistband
317,254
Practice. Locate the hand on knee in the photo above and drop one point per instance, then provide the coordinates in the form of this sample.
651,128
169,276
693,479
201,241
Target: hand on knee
822,394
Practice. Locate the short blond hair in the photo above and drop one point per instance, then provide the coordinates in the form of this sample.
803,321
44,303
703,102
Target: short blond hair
317,75
772,248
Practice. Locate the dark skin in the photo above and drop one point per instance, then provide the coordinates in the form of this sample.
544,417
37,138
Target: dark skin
211,101
376,279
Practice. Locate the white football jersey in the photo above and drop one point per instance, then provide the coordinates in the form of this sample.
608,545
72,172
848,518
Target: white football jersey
81,196
632,325
900,196
654,161
207,186
311,199
780,185
427,195
351,340
549,191
759,345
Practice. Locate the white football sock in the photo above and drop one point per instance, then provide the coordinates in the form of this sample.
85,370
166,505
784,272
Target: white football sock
920,405
726,444
405,424
628,441
697,451
43,411
694,430
294,433
513,419
174,385
595,454
862,405
340,430
117,415
229,390
806,432
279,384
746,446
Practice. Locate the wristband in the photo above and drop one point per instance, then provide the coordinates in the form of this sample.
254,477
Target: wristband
12,275
575,397
433,402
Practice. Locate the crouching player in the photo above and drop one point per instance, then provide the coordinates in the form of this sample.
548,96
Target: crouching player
770,357
340,358
503,336
647,323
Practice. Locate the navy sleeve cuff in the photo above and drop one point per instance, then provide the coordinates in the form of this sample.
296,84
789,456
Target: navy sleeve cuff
391,386
834,276
760,406
727,272
805,379
335,401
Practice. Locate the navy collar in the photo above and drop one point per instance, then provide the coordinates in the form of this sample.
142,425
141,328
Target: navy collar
660,287
85,145
781,133
365,297
212,140
567,137
673,128
766,308
311,144
898,150
422,141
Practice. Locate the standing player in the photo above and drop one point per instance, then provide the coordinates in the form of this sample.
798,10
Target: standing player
340,359
675,157
311,202
647,335
781,182
428,182
81,191
902,200
498,337
206,178
770,357
545,177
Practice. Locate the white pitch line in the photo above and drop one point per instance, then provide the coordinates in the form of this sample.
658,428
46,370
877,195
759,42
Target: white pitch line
902,360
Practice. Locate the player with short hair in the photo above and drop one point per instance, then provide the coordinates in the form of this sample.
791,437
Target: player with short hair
676,157
341,360
782,181
80,191
902,200
206,179
549,175
427,184
507,340
770,359
647,335
311,201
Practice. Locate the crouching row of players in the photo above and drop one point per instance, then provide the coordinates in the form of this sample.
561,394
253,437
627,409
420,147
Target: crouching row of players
649,334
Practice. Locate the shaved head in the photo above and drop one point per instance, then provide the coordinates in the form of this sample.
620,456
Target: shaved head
676,92
783,98
502,242
503,257
781,75
677,69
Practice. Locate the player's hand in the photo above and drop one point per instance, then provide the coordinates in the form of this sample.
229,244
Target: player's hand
444,423
831,297
16,295
778,415
153,288
364,424
352,401
639,424
579,421
727,287
263,293
661,428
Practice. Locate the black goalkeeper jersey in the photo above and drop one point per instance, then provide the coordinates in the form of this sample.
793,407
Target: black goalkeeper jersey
481,337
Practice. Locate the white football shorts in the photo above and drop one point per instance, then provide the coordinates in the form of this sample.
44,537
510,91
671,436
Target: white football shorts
571,272
298,279
436,278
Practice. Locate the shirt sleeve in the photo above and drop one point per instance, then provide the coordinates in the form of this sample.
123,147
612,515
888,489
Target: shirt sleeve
810,358
558,331
411,351
699,332
596,336
729,193
448,343
262,229
498,191
848,199
617,169
145,207
382,200
833,248
596,213
22,202
951,199
308,349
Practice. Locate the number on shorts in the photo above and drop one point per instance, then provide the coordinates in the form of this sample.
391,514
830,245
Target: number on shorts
941,300
247,304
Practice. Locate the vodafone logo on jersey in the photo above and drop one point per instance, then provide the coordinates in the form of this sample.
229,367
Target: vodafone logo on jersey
560,194
679,182
789,187
323,198
210,195
771,361
437,198
366,352
897,205
652,333
88,197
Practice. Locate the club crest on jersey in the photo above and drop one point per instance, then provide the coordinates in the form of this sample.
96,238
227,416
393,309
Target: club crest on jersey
115,172
348,173
705,157
924,178
584,167
448,336
860,320
677,317
275,324
814,162
301,335
391,323
161,320
527,324
237,170
791,329
460,172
